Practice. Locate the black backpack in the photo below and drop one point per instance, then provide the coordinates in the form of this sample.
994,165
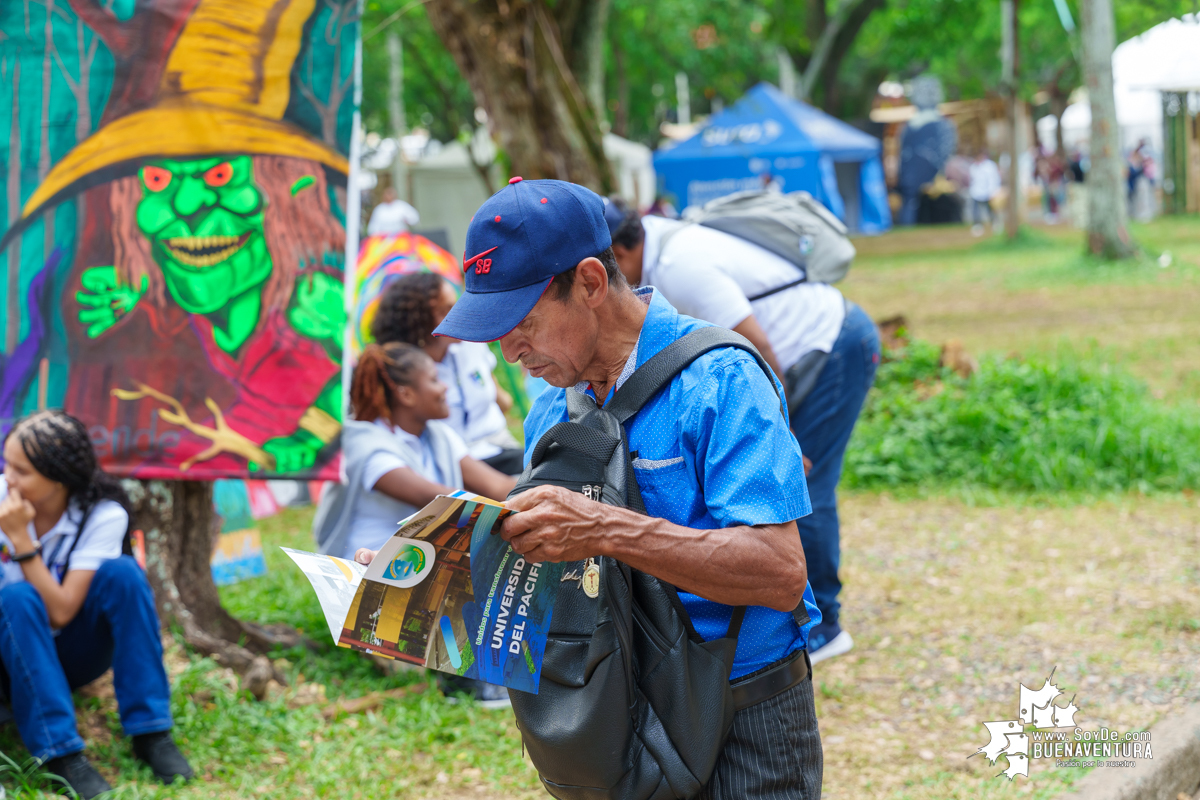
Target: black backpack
632,704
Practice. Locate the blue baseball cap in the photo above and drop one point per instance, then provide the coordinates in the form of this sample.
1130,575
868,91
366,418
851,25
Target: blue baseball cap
518,240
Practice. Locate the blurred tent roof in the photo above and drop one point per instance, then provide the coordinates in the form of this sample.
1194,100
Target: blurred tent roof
767,140
766,120
1163,59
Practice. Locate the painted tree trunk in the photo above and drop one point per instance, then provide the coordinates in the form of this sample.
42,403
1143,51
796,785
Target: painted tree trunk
180,527
1107,229
512,56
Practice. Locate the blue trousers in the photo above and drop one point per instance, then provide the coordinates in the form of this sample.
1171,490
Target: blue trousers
117,626
822,425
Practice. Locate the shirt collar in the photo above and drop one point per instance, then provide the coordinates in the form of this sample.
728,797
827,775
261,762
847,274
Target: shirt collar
646,294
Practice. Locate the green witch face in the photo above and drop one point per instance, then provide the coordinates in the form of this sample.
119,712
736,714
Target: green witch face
204,221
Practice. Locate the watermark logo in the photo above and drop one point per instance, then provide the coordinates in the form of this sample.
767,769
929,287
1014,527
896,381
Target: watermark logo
1073,748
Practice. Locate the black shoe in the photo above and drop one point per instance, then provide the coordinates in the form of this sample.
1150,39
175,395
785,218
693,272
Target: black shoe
159,751
79,774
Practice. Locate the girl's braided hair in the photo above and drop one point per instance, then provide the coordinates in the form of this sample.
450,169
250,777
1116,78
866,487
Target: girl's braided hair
405,312
381,368
57,445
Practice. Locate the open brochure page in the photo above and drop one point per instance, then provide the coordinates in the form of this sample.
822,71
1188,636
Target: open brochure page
335,580
447,592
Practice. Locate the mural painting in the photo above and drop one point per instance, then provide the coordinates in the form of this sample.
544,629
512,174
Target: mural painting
175,176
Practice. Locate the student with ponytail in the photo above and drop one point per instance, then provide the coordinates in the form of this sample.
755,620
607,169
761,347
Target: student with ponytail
398,452
399,455
73,603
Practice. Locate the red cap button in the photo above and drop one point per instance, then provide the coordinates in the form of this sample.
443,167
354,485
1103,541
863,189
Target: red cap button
517,179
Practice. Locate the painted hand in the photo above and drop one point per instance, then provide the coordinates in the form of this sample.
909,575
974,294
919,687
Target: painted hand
107,300
295,453
318,310
15,515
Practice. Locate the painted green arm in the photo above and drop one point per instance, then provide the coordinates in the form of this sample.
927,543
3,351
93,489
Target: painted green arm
298,452
318,309
105,299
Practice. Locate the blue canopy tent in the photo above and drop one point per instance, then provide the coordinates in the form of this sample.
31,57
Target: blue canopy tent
768,138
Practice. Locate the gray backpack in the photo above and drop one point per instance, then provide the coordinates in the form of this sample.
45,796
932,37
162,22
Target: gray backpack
795,226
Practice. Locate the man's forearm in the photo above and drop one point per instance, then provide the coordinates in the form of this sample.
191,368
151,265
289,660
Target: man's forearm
744,565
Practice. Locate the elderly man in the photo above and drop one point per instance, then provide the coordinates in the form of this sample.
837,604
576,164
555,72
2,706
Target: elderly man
721,475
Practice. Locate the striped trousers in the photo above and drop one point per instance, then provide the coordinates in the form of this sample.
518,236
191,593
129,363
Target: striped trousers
773,752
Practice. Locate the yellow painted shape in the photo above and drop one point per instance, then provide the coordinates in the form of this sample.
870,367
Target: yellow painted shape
181,130
238,54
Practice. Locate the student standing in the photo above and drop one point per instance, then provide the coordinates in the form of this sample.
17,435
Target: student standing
71,605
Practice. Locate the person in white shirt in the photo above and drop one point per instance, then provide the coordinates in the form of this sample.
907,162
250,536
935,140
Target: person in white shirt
392,216
399,455
72,604
824,349
983,186
410,308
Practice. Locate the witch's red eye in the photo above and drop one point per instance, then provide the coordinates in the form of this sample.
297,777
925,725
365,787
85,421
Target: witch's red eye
156,178
219,175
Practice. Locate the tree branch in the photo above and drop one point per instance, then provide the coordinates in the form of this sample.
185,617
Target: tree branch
847,14
105,25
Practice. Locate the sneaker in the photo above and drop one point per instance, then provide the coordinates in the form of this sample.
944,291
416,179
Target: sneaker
977,230
161,754
79,774
827,645
487,695
493,696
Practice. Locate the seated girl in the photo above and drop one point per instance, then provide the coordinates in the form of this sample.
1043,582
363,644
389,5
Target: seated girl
399,453
409,310
72,605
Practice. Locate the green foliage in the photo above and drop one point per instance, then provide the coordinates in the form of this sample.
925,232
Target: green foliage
1024,425
436,96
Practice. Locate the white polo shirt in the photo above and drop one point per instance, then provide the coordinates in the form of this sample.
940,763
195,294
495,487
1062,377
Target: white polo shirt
709,275
471,394
99,542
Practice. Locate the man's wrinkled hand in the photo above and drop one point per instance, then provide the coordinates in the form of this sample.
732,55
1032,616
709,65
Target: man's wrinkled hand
555,524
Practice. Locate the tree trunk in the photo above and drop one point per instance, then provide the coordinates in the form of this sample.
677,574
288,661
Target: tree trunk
1107,231
510,52
180,529
836,37
587,48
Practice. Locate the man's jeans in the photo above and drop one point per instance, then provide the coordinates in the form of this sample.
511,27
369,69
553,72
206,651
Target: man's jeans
822,425
116,627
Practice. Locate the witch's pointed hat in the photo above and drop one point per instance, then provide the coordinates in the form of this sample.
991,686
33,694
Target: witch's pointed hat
224,90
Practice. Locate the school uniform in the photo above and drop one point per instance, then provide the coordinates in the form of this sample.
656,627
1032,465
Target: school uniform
117,627
475,415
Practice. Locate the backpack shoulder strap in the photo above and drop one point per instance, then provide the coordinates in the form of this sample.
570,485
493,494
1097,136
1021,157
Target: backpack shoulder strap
649,379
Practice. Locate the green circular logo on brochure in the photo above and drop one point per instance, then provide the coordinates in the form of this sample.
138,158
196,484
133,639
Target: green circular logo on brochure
411,562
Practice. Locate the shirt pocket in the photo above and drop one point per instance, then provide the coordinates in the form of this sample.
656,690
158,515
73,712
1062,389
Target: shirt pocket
664,482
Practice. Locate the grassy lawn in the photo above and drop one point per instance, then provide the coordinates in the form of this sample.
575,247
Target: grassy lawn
952,603
1043,295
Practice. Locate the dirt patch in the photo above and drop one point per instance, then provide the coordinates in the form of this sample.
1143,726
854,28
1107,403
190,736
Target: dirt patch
952,607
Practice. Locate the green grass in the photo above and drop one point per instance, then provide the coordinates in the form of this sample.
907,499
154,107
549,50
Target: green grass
244,748
1026,425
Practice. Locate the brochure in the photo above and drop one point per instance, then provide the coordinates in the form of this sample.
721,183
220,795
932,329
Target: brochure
445,592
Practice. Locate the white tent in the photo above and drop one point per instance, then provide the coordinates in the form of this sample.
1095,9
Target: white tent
1164,58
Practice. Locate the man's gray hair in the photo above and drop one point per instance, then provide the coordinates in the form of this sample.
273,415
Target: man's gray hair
560,287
